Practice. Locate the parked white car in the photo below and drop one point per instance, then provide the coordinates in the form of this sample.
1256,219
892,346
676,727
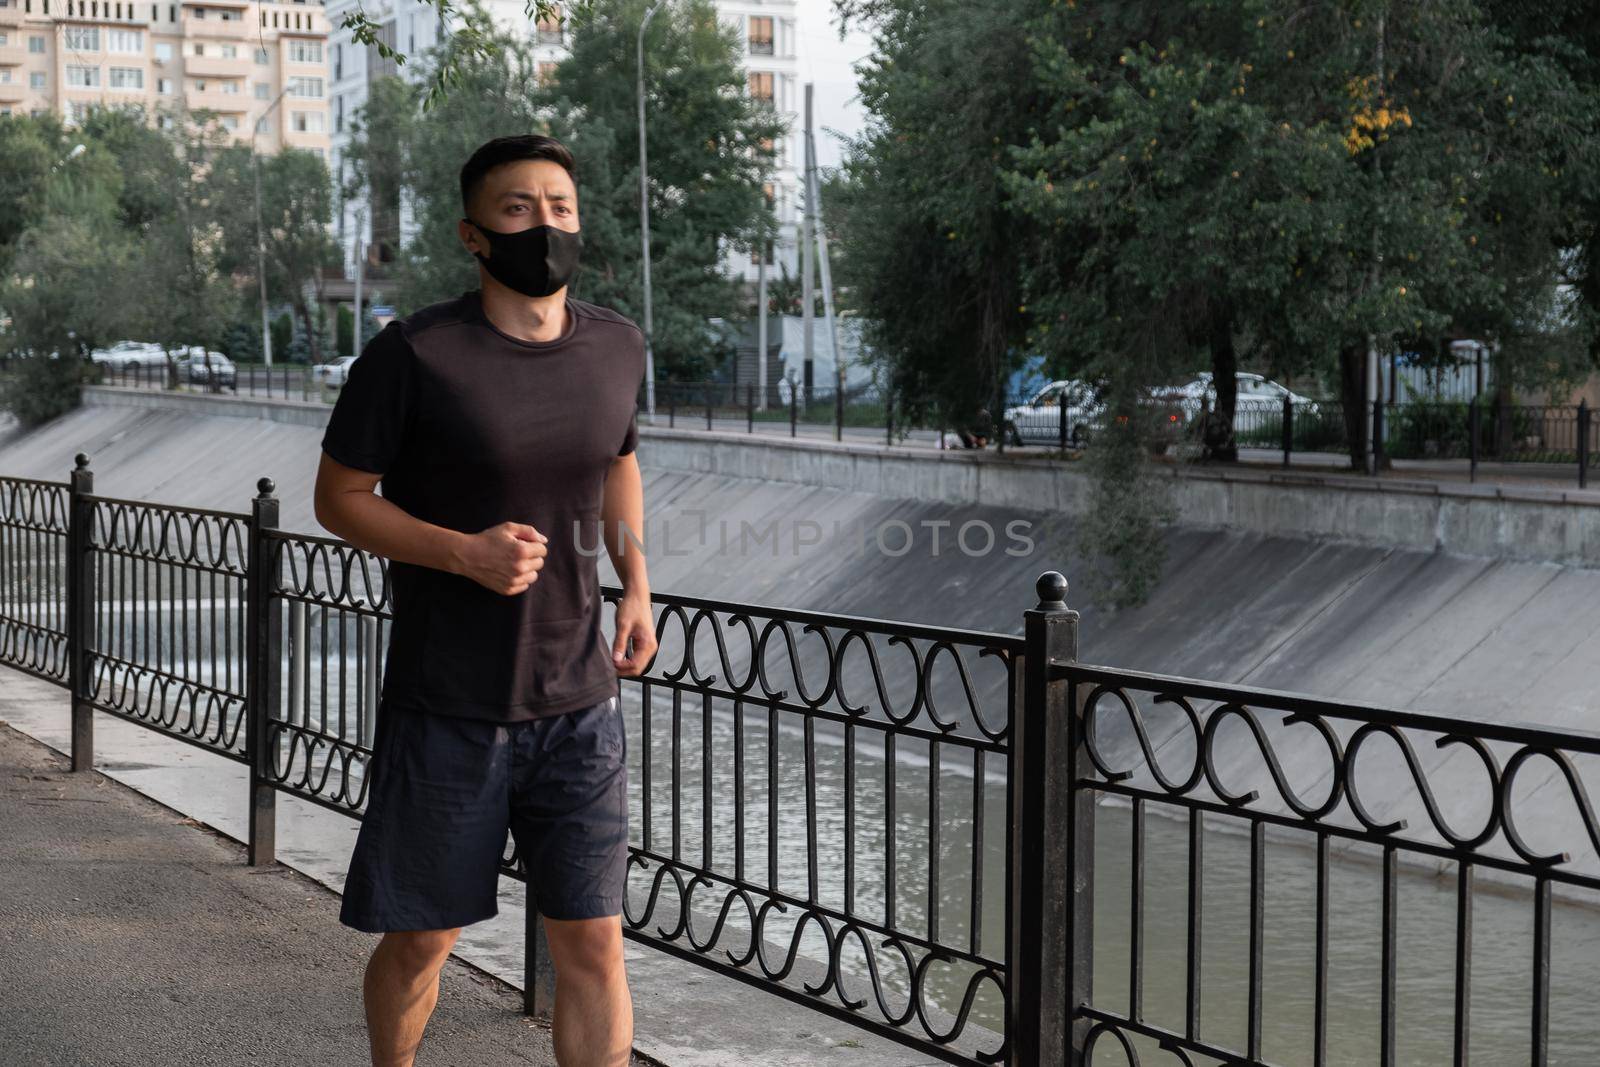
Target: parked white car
1038,419
333,372
129,354
1256,394
199,365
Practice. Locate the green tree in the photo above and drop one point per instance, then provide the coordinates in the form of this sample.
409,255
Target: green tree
706,162
932,252
296,206
1293,188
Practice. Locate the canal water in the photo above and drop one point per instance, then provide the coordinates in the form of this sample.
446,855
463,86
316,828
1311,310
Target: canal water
1502,926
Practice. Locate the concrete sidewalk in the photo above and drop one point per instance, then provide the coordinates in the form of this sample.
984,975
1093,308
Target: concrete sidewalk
129,935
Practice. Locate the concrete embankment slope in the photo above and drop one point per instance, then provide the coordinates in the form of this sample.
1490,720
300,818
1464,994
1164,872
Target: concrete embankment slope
1344,615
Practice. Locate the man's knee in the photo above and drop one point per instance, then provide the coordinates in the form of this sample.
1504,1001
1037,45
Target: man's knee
420,951
585,950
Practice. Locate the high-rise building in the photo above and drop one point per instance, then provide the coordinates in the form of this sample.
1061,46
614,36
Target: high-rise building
233,57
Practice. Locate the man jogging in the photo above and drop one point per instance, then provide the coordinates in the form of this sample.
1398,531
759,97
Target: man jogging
501,426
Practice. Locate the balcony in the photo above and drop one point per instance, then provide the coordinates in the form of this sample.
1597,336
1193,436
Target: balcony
14,92
13,55
224,103
217,67
219,29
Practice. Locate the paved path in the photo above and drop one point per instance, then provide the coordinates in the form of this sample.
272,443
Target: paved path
129,936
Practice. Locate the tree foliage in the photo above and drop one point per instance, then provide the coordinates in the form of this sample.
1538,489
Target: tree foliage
707,161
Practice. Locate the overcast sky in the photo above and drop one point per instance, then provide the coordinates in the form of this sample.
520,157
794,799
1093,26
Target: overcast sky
827,62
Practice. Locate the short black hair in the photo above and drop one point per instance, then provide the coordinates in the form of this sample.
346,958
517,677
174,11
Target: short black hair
491,154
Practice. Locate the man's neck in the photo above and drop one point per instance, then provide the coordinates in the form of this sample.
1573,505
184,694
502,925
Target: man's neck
530,318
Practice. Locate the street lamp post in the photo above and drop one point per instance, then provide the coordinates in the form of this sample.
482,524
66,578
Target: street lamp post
644,232
261,242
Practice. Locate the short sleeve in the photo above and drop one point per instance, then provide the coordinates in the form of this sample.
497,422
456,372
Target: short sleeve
367,425
630,440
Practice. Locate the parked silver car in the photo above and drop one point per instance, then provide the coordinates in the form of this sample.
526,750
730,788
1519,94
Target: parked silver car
1038,419
1255,394
201,366
332,372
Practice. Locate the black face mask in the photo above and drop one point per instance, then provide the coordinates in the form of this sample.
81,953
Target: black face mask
535,262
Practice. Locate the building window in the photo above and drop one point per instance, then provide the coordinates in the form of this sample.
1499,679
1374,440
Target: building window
306,121
81,38
262,57
36,44
77,111
230,122
322,153
548,30
130,42
127,78
310,88
80,77
338,61
230,51
4,39
305,51
761,85
761,35
546,71
338,113
163,50
36,80
263,90
164,85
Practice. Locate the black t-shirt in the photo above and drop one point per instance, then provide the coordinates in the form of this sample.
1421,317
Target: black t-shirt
471,427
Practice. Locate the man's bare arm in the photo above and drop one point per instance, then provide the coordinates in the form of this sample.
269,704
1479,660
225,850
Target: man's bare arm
622,524
622,521
505,558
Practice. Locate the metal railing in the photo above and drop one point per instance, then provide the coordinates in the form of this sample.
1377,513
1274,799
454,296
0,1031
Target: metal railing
890,823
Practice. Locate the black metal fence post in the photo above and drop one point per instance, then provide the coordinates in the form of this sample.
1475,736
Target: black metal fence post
672,406
80,611
1288,429
750,409
888,416
1472,440
838,413
538,967
1583,443
263,684
1050,895
794,407
1377,436
709,401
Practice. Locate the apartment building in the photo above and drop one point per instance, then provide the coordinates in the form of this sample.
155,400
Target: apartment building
768,46
233,57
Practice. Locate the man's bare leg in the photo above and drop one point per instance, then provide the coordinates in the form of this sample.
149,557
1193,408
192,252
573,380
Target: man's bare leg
593,1024
400,989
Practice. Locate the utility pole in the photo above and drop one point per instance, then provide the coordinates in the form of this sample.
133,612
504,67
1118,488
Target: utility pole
361,264
261,241
644,232
806,243
814,183
761,329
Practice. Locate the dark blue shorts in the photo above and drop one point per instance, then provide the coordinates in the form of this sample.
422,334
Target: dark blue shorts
444,792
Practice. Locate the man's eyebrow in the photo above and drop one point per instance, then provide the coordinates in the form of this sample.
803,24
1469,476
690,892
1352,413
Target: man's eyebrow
524,194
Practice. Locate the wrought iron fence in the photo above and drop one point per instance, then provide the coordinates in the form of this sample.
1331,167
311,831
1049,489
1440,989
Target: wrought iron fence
893,824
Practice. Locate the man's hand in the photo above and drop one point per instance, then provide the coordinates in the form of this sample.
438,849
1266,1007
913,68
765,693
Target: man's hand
634,622
505,558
